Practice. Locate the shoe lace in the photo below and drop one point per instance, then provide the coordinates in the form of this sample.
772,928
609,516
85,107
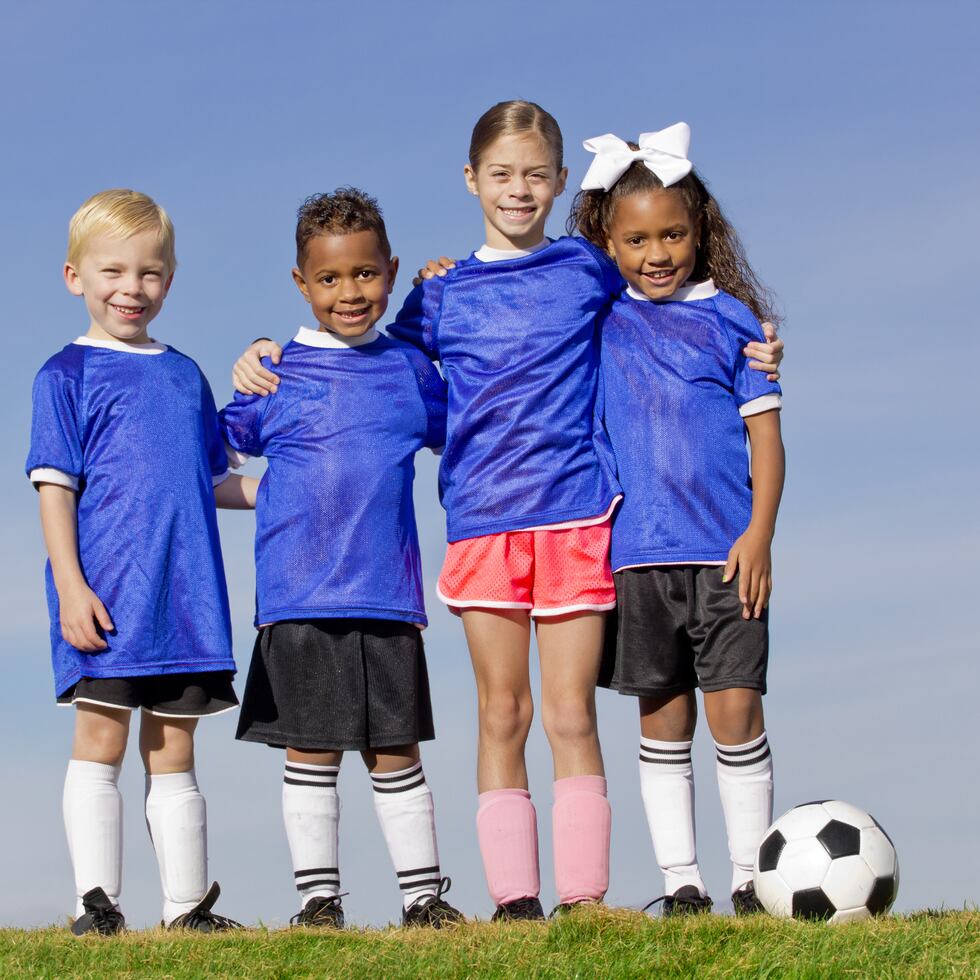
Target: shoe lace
218,923
691,901
434,903
320,904
106,921
523,905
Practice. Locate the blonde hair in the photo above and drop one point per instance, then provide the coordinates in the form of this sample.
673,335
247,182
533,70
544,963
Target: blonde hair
119,213
509,118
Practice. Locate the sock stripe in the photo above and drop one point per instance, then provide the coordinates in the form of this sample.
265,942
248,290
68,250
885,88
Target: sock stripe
306,782
397,776
652,761
315,871
655,748
312,769
419,871
723,750
738,763
302,886
411,886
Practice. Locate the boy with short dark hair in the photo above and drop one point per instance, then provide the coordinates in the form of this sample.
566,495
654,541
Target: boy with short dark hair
125,450
338,664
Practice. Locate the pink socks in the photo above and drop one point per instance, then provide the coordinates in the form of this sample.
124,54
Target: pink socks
506,825
581,822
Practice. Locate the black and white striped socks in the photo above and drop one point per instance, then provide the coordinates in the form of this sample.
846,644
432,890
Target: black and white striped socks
403,803
745,786
667,788
311,813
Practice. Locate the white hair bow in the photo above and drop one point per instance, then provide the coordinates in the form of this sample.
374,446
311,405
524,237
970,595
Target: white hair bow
663,152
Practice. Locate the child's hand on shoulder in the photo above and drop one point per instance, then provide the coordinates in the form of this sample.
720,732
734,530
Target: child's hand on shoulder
82,613
433,268
249,376
766,356
751,559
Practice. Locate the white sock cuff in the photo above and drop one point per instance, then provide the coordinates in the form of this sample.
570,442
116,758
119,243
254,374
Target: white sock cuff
82,769
387,784
168,783
750,756
673,756
310,775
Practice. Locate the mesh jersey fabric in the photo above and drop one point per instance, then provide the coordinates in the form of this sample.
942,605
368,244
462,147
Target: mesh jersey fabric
518,346
673,380
335,524
139,434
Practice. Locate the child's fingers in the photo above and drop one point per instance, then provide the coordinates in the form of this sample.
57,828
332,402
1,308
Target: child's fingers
102,615
769,331
446,263
731,566
761,599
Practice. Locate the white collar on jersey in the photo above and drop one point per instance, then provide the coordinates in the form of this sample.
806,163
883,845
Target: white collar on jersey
153,347
686,293
487,254
323,338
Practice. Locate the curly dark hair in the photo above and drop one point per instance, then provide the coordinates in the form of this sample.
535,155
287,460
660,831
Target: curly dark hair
720,256
343,212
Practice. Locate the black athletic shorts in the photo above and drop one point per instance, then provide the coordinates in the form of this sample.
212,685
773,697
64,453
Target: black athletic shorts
176,695
678,627
329,685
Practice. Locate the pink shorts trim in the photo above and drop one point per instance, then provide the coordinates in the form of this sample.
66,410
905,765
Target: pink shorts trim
550,572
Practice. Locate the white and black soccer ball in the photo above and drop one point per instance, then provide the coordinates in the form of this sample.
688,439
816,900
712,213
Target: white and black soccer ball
826,860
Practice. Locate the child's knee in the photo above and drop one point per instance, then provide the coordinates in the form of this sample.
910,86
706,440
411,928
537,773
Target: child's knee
669,718
505,717
167,744
100,735
735,715
569,719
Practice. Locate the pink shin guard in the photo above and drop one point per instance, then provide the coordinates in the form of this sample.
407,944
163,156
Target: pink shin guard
582,820
507,828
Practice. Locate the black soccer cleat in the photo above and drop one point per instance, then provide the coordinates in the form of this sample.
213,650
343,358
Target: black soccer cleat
745,901
432,911
320,912
521,909
202,919
687,900
100,915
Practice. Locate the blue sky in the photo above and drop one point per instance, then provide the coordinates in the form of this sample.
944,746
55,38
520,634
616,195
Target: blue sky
835,136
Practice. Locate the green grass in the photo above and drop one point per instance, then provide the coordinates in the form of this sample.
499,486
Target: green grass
586,943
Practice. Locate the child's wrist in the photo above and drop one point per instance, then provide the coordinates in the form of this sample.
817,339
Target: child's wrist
762,529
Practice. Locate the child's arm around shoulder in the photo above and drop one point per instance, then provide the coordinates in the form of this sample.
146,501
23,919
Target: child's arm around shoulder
416,321
434,394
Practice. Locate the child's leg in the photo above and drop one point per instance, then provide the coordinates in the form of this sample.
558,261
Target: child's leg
506,822
311,814
176,814
403,802
92,802
570,649
744,773
667,786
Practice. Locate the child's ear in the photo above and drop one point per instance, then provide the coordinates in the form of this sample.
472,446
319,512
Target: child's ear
470,174
166,288
301,284
560,182
392,273
610,251
72,281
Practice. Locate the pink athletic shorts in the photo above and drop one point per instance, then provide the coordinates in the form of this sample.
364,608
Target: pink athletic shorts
549,572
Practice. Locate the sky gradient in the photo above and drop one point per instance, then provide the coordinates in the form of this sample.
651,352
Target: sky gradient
834,136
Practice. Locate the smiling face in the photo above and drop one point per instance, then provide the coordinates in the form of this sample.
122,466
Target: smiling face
517,181
654,240
124,282
346,279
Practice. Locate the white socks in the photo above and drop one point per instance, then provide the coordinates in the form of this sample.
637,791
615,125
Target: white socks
311,813
403,803
93,822
667,787
176,817
745,785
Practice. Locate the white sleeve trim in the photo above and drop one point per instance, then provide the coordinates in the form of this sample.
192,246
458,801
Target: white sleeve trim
220,478
764,403
48,474
236,460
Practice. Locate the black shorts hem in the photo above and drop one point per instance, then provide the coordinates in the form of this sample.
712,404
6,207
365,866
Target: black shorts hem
183,695
276,740
728,684
653,692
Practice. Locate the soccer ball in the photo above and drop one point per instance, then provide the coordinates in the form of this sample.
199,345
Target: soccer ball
826,860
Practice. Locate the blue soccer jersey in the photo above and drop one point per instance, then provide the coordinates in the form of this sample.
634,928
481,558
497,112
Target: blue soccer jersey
133,428
675,390
335,524
518,345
